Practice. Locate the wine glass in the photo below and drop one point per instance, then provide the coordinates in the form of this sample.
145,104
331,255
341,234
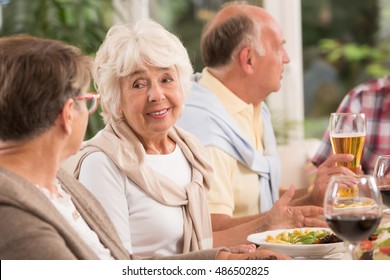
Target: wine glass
347,135
353,208
382,176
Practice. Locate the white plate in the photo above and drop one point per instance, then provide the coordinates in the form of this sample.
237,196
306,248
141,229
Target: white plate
358,206
357,209
296,250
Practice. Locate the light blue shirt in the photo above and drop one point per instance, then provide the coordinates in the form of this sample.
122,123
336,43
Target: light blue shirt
205,116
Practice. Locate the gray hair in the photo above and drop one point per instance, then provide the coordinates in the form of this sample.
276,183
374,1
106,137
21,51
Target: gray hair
221,42
127,48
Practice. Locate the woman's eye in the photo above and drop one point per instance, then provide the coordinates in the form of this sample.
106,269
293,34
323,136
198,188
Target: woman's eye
167,80
138,85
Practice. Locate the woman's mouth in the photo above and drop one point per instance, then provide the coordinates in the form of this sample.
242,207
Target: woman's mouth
159,113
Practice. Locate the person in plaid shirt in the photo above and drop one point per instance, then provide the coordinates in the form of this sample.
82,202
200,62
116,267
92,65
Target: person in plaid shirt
372,99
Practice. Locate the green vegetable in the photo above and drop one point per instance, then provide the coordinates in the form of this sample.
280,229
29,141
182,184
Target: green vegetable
308,241
384,243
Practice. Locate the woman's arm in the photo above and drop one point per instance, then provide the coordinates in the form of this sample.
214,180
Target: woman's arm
104,180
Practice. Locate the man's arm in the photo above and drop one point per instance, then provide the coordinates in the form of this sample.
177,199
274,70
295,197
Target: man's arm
229,232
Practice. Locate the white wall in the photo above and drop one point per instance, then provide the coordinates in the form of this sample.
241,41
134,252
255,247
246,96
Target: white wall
288,102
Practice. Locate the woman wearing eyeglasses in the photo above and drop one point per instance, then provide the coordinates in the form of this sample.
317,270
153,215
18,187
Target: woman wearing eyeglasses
46,213
43,118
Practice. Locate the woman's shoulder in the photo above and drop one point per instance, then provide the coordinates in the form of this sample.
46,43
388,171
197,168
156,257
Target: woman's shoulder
97,161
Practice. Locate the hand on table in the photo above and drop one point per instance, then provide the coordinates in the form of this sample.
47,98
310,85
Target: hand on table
257,255
282,215
244,248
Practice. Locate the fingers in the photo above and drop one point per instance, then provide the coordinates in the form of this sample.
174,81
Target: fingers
252,247
314,222
286,198
334,170
242,249
309,210
268,254
282,256
263,254
334,158
309,216
348,181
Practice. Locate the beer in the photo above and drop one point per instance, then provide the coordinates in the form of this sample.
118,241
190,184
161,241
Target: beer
347,192
349,143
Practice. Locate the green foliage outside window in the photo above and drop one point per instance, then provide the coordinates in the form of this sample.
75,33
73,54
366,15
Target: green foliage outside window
358,62
82,23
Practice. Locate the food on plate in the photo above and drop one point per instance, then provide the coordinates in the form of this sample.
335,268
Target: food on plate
377,247
352,204
304,236
318,242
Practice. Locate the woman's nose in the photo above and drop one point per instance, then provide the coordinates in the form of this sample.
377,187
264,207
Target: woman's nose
156,93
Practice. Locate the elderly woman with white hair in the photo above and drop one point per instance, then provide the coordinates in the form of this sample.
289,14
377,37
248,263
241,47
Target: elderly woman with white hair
150,176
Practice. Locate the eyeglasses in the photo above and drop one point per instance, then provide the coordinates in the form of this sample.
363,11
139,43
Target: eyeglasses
91,100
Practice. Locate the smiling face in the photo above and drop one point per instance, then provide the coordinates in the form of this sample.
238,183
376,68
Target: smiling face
151,101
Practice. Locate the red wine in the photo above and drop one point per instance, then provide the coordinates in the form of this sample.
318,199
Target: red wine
353,228
385,192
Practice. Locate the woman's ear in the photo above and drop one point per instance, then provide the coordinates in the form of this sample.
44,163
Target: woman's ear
66,117
246,58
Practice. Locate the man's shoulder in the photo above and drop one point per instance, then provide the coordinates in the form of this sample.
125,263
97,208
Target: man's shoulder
199,91
200,105
370,87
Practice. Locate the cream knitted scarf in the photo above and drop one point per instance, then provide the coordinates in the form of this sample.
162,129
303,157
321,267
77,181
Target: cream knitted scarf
121,145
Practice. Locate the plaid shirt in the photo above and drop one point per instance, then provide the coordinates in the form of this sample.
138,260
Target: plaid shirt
372,99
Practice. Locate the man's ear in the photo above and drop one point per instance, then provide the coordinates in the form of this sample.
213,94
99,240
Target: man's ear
246,58
66,117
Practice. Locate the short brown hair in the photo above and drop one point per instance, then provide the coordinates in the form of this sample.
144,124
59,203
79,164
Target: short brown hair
37,76
219,42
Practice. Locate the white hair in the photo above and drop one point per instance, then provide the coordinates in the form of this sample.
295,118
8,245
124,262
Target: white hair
130,47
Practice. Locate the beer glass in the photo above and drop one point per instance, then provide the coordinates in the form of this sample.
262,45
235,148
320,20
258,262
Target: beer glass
347,135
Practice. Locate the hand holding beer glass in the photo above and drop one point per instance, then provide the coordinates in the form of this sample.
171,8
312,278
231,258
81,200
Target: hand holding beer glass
347,135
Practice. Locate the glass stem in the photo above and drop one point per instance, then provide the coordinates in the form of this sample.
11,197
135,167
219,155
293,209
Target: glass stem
351,249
